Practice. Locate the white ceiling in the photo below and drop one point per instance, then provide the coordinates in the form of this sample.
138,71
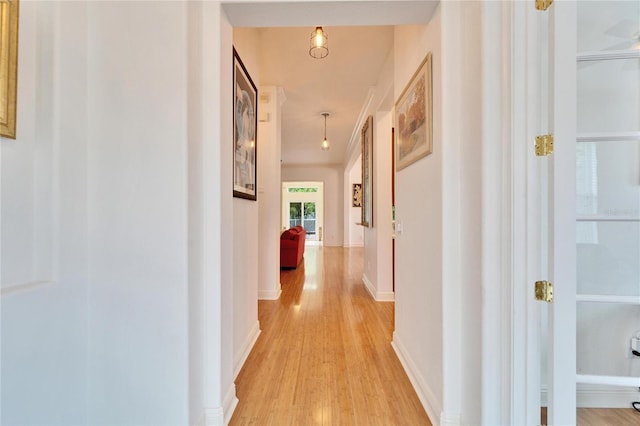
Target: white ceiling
340,83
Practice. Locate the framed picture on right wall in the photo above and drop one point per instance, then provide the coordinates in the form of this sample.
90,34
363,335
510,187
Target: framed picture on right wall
357,195
414,117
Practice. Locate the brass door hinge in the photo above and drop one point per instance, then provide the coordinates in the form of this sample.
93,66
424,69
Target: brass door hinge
543,4
544,145
544,291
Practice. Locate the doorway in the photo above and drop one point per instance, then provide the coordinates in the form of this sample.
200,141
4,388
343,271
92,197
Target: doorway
303,205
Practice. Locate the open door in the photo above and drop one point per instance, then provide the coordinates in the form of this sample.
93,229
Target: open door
608,197
554,163
303,205
593,226
561,320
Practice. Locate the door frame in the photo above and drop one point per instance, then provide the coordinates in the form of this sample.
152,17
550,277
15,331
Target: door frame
516,346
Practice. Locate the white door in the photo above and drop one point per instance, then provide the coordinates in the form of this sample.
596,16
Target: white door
561,249
543,96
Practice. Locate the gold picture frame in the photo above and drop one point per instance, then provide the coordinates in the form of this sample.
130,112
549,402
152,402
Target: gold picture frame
414,117
367,173
9,10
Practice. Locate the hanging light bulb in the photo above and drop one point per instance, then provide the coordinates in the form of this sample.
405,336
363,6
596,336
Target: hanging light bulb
318,47
325,143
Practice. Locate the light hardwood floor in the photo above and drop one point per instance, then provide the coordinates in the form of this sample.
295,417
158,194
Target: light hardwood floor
603,417
608,417
324,356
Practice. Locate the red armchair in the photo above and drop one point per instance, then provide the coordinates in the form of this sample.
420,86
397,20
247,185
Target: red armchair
292,247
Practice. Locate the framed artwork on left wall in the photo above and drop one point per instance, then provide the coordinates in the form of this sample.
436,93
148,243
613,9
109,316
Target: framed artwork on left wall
8,66
245,123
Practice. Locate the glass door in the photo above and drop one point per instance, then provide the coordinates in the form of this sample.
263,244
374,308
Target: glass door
608,193
295,214
309,213
303,214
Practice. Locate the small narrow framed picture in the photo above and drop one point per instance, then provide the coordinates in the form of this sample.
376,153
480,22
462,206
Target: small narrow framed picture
357,195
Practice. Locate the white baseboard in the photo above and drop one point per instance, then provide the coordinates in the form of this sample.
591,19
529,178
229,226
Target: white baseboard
211,417
270,294
220,416
332,244
353,245
378,296
245,350
385,296
450,419
600,396
229,404
369,286
431,405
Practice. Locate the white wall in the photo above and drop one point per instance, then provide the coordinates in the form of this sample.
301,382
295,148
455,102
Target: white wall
354,234
43,232
269,190
377,274
211,340
333,196
223,368
470,170
418,337
382,205
137,213
196,231
107,340
245,229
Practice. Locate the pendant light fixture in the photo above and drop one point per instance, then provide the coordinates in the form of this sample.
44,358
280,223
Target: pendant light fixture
318,44
325,143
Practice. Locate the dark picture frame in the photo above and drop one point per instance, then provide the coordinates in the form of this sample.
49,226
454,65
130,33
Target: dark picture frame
414,117
356,195
245,126
367,173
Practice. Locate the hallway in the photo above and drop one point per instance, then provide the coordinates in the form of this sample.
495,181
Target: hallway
324,355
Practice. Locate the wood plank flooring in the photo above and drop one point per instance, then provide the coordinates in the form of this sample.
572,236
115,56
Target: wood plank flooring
602,417
324,356
608,417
